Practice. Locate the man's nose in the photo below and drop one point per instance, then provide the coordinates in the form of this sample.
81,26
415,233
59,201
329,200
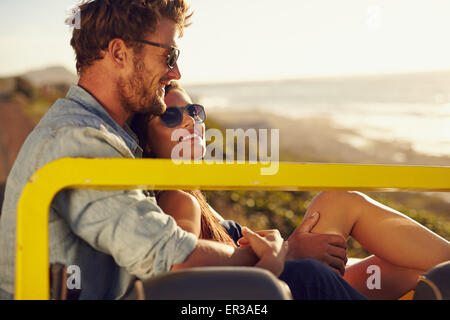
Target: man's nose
174,73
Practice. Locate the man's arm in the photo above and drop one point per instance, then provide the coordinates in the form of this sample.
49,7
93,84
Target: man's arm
122,223
266,250
213,253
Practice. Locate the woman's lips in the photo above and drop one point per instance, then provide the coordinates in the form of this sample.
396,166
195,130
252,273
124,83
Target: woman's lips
192,136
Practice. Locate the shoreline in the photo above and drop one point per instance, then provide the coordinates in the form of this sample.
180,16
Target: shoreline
322,140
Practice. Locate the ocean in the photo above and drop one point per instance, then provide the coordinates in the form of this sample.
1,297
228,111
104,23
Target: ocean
407,108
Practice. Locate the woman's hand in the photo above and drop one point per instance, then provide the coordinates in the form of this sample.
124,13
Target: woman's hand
269,247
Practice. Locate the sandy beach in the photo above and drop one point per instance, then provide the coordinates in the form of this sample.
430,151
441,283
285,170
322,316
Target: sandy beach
319,139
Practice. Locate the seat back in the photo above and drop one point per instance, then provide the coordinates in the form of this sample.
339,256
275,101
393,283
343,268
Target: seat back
58,284
212,283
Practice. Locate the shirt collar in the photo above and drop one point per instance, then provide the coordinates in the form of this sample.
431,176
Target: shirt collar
85,99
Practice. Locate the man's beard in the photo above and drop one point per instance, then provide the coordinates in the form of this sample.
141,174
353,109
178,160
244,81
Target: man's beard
137,94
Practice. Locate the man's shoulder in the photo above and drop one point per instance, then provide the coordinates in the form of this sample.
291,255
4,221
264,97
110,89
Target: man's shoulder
91,141
66,132
85,121
69,113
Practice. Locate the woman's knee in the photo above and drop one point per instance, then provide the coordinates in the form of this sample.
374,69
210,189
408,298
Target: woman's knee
336,203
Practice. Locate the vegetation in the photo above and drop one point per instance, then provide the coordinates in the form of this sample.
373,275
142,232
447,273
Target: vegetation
24,87
35,99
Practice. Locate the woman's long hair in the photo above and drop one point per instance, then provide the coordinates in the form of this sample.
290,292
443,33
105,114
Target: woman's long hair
211,229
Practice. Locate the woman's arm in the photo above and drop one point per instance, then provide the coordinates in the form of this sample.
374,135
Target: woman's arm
269,246
184,208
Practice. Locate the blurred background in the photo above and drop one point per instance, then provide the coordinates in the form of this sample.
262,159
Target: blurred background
349,81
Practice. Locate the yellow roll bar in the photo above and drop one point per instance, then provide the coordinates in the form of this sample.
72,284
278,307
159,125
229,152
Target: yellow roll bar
32,250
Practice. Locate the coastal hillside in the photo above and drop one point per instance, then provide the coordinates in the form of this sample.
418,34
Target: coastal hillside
51,76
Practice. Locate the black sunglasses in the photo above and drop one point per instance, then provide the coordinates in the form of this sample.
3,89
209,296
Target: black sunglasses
174,53
174,115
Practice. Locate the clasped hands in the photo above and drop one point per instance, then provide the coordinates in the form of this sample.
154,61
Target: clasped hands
273,251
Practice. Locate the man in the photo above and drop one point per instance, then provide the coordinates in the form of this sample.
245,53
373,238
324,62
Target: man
126,54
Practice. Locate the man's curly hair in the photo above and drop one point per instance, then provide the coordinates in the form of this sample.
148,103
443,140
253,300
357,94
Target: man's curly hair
104,20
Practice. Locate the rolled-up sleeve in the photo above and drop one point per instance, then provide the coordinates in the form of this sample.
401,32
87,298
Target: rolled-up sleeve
124,224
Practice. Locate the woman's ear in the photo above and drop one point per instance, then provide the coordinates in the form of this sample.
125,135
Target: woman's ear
147,151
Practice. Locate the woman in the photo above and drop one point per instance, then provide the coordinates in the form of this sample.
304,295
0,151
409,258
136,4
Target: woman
402,248
188,208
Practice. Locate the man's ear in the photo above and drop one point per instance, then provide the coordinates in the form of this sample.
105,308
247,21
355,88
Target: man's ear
118,52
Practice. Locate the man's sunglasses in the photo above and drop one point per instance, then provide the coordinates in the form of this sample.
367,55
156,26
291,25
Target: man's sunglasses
174,53
174,115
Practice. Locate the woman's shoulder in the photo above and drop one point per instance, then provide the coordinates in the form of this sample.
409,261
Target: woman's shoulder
179,202
183,207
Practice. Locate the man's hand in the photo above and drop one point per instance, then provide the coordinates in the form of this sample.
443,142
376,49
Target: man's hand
329,249
269,247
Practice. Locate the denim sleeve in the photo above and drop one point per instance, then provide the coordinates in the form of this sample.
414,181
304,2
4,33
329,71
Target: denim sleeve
124,224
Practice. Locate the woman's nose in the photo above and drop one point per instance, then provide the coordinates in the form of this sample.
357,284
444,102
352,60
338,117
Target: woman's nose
188,121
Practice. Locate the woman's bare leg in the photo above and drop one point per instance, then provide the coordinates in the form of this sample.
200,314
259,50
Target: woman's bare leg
394,282
404,247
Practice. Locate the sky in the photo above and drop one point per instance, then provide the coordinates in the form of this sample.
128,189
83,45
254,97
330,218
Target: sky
239,40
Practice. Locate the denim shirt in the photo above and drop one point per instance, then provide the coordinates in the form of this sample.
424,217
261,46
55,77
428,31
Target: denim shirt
115,236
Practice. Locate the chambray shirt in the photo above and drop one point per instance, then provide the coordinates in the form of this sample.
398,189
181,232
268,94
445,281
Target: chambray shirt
114,237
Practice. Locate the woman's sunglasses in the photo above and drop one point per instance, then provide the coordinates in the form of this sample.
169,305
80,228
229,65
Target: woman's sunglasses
174,115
